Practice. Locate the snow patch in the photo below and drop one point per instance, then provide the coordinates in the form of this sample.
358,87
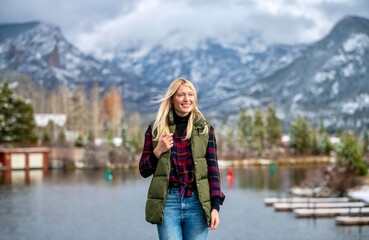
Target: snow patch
348,70
350,107
335,88
358,42
324,76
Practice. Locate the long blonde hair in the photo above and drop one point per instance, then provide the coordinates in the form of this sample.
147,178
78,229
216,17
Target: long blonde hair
161,124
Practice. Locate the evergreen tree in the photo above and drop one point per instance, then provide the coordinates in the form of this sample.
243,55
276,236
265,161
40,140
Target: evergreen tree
259,132
349,155
45,138
300,136
244,125
17,122
365,142
316,146
230,143
273,128
326,143
80,143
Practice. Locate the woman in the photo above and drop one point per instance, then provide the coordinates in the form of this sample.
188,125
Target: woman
180,152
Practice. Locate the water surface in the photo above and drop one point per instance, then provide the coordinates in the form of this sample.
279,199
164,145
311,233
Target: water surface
83,205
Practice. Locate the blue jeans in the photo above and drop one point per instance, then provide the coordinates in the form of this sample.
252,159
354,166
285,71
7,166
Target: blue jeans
183,218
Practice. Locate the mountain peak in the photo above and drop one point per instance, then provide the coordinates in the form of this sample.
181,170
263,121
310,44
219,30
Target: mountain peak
351,24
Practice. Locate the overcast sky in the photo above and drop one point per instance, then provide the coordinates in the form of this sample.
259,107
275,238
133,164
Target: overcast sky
99,25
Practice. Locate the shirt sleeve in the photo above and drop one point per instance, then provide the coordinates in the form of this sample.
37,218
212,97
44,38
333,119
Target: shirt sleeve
148,161
216,195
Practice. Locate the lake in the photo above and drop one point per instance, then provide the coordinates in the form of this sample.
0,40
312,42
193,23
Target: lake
84,205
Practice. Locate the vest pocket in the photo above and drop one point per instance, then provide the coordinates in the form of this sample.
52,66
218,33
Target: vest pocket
154,210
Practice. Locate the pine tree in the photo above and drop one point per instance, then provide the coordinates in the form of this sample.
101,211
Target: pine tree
327,145
244,125
259,132
316,146
230,140
17,122
365,141
273,128
349,155
300,136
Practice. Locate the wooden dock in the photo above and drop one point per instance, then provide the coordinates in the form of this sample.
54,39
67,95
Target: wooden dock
312,205
345,211
330,212
350,221
271,201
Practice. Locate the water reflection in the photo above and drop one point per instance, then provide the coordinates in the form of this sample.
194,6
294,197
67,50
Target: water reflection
279,179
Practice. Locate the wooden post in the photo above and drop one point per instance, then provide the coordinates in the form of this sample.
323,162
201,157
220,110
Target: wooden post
26,162
45,164
7,162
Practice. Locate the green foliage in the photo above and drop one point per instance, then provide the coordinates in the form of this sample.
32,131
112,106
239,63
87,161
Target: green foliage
45,138
365,142
317,147
17,122
245,127
349,154
259,132
80,143
230,139
273,127
327,145
61,136
300,136
320,141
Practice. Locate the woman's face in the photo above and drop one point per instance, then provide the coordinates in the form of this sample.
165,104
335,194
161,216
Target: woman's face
183,100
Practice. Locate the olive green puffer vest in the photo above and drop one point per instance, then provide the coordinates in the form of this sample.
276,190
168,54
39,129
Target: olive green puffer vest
158,189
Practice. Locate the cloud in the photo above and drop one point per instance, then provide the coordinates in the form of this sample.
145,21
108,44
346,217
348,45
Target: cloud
99,26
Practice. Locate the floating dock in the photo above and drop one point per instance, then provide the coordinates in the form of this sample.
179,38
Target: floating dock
350,221
331,212
312,205
345,211
271,201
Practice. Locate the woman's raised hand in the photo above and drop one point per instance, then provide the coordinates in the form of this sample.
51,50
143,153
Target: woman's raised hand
164,144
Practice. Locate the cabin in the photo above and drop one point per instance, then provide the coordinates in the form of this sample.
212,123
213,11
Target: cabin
24,158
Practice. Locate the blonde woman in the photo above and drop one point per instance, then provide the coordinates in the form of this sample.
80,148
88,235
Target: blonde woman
180,152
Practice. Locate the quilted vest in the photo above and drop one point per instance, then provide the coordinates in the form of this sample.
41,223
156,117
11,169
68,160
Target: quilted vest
158,189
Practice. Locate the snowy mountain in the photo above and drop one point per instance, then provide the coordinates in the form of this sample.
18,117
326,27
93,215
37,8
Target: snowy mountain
326,80
217,70
329,81
41,52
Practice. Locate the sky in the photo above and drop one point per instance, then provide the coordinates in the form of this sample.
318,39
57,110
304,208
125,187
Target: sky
98,26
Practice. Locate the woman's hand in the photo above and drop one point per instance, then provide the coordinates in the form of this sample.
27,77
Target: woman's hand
164,144
214,219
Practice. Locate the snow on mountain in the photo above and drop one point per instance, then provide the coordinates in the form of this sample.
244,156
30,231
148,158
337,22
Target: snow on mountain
40,51
329,81
218,71
325,80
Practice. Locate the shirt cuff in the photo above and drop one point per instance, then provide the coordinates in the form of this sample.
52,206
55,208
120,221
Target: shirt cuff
215,203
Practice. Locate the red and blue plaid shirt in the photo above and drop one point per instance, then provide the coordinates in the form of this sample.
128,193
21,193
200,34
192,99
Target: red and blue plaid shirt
182,168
